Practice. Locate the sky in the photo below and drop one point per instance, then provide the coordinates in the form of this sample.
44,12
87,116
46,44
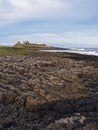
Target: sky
63,23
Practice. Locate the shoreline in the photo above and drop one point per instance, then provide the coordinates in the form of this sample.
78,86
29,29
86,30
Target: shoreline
65,50
44,90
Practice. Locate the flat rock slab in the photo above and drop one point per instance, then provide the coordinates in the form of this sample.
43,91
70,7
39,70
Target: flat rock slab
44,87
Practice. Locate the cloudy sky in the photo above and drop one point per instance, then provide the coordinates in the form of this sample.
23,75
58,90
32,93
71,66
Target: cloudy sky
68,23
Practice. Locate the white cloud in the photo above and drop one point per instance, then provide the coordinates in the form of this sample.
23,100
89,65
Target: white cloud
69,39
30,9
18,10
44,35
60,19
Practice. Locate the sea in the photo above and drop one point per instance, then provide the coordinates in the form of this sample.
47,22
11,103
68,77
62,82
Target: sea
85,51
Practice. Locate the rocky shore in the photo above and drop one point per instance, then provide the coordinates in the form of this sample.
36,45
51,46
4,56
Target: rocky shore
49,91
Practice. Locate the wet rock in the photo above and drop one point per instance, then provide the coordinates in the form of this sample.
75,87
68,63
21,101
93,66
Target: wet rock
9,124
69,123
63,107
20,101
45,88
1,97
13,79
9,98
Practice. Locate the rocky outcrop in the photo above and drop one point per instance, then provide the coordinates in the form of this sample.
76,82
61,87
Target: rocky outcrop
75,122
45,88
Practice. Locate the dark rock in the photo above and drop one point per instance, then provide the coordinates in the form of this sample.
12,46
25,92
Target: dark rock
1,97
43,90
63,107
9,123
9,98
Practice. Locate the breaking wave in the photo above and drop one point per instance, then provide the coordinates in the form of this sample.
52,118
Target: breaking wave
85,51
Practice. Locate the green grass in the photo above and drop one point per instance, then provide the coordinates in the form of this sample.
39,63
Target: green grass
6,50
34,46
20,50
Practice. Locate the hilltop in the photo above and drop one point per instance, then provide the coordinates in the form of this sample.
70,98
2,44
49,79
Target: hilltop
23,48
28,44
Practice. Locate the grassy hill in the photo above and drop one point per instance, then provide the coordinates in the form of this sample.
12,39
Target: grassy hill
22,49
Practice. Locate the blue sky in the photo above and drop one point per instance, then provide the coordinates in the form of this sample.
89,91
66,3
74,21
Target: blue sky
64,23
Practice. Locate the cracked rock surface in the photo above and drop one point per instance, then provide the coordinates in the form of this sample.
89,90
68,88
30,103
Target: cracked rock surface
44,91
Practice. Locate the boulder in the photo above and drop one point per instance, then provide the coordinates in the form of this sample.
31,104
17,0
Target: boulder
32,103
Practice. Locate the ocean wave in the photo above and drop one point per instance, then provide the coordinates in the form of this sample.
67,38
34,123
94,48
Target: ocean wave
89,53
85,52
78,51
